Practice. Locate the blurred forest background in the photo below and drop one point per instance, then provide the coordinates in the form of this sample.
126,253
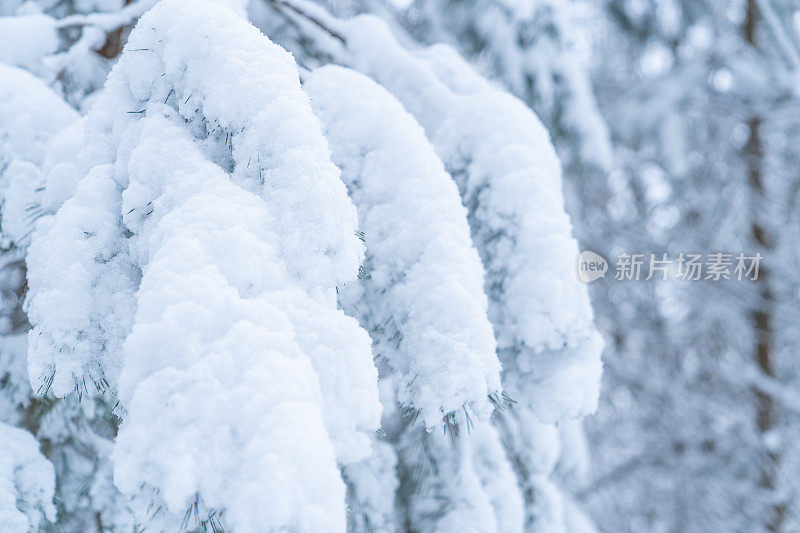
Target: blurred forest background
677,123
697,426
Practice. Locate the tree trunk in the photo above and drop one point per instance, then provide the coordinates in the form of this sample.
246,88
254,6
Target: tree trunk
762,314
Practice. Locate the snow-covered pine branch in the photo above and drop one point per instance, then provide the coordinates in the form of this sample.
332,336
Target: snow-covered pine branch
25,40
202,166
242,433
498,480
31,114
36,133
26,482
421,294
510,180
372,485
421,299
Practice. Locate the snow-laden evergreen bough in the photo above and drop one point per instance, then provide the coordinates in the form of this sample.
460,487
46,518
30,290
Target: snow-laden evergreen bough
204,243
421,299
26,482
30,115
235,372
26,39
75,435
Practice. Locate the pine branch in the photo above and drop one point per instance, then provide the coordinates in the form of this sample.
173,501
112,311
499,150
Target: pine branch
314,19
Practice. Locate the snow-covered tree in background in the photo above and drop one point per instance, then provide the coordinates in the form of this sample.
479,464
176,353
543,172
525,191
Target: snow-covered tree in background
702,100
195,256
527,46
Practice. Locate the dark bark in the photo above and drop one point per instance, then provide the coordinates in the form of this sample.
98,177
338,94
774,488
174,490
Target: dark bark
762,314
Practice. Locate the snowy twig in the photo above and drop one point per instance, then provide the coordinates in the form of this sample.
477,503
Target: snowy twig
322,20
109,21
95,30
775,389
